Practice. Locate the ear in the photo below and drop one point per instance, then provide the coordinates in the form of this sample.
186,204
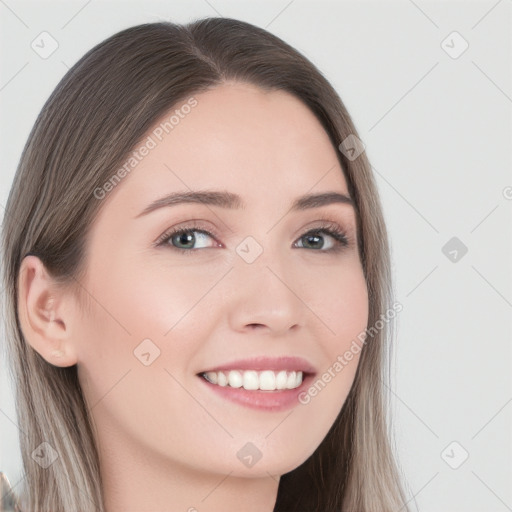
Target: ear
46,313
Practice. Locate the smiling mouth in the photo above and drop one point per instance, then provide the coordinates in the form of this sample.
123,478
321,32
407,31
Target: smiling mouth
252,380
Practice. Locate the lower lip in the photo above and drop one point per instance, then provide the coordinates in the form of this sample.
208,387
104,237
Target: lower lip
278,400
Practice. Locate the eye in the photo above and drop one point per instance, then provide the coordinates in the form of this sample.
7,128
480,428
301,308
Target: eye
183,239
314,239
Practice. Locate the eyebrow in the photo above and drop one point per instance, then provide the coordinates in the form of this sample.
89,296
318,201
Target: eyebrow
225,199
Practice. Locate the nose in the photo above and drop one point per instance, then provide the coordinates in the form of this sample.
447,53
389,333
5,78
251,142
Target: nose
262,297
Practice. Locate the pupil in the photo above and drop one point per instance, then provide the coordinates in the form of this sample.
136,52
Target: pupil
185,238
314,237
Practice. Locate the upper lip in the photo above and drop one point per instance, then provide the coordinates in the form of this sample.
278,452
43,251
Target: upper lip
266,363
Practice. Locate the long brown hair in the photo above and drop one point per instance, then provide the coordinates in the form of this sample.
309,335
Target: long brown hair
97,114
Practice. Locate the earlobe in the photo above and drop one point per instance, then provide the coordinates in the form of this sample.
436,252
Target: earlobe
44,314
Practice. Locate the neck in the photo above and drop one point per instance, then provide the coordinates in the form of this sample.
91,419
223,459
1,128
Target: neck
134,480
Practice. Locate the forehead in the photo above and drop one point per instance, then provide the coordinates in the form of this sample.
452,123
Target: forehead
238,137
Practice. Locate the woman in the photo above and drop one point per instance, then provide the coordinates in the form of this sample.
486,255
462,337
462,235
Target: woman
196,270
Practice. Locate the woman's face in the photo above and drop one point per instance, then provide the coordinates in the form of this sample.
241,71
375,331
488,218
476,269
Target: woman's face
256,287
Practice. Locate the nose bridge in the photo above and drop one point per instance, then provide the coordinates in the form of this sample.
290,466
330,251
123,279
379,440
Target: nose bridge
263,288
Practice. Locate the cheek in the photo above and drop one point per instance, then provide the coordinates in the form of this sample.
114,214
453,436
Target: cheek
348,311
163,295
142,299
344,312
340,304
135,303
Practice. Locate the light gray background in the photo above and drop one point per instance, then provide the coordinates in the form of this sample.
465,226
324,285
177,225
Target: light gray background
437,130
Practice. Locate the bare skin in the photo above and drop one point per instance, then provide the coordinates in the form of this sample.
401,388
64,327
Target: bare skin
166,441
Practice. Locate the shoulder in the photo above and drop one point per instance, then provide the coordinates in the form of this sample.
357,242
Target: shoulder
8,500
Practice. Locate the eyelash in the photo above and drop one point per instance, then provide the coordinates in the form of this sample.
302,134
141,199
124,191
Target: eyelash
340,237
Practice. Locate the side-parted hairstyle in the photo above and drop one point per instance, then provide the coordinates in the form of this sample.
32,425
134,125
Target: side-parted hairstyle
93,120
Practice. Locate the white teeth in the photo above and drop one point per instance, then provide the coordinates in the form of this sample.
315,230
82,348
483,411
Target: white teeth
251,380
281,380
235,379
222,380
291,380
266,380
212,377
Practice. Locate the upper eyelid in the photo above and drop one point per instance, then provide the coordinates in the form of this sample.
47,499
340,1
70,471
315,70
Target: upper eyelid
345,224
